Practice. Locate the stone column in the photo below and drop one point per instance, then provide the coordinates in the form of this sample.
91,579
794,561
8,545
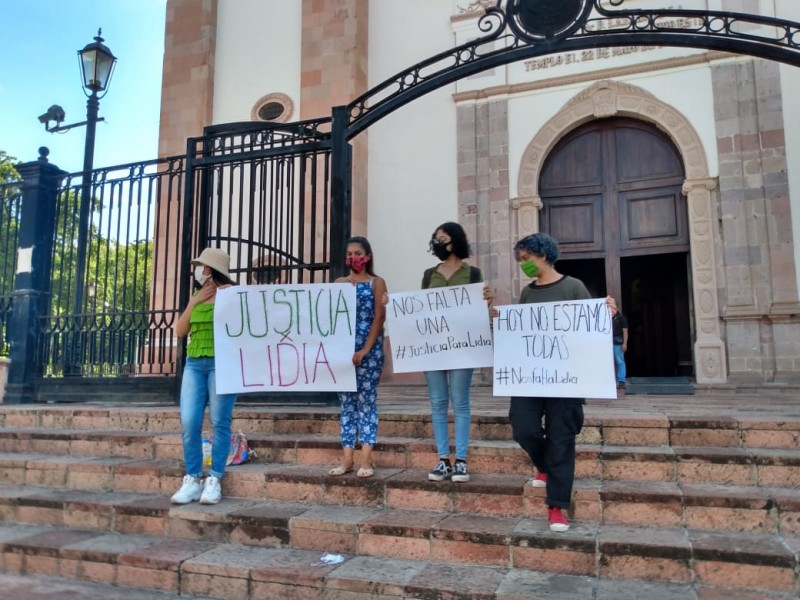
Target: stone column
334,71
709,349
40,181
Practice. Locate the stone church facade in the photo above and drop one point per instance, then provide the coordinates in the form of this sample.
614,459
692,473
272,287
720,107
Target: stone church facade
692,220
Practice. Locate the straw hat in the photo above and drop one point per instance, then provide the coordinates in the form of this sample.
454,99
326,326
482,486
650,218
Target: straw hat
216,259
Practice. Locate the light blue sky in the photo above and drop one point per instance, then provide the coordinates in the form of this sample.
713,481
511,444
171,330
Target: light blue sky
39,44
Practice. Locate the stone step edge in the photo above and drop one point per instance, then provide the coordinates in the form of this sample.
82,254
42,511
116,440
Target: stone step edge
99,471
169,473
707,507
198,567
260,442
24,587
138,418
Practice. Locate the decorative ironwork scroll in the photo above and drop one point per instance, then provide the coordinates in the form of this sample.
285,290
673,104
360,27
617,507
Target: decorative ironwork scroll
514,30
540,20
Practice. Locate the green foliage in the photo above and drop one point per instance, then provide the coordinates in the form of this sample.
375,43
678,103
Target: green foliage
116,296
117,274
7,171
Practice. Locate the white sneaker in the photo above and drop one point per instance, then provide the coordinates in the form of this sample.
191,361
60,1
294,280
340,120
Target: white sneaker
190,491
212,492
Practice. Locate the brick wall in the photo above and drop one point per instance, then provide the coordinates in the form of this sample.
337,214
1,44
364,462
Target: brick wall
334,72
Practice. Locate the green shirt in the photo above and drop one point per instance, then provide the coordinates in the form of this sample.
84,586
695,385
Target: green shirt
460,277
201,331
566,288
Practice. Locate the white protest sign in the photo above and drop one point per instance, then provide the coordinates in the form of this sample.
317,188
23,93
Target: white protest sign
439,328
285,337
554,349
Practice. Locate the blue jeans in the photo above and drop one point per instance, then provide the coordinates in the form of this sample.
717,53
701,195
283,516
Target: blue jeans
445,387
198,389
619,361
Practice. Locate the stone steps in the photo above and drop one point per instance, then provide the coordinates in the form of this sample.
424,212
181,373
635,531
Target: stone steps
694,505
38,587
703,507
774,467
634,429
697,564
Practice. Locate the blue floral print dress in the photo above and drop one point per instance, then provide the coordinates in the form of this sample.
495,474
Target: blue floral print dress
359,412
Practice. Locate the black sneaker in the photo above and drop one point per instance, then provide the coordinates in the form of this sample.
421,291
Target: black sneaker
461,473
441,471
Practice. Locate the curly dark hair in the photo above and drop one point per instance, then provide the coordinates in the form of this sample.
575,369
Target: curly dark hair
457,236
540,244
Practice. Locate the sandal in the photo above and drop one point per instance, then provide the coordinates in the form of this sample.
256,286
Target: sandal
365,472
340,470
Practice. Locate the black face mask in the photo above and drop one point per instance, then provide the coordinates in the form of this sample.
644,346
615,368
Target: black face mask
440,250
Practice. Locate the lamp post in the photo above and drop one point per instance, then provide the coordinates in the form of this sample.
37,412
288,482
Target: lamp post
97,65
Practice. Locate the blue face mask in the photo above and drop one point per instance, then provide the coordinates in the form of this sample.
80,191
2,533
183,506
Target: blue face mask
529,268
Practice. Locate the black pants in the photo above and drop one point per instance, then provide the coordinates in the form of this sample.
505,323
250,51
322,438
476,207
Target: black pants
546,428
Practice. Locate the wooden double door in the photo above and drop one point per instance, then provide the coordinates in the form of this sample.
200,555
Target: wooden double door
612,198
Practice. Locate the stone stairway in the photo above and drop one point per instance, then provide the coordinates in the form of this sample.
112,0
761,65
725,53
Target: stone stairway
687,505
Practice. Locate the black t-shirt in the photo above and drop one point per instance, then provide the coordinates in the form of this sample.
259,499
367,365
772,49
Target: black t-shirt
619,322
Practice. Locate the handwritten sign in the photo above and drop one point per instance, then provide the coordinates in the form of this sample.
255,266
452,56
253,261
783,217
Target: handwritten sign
285,337
554,349
439,328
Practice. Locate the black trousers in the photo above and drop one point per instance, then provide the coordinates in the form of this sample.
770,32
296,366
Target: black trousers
546,428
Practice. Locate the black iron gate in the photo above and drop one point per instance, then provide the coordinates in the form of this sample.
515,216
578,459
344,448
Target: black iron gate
276,197
263,193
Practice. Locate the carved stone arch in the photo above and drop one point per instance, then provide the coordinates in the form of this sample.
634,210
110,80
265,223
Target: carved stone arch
610,98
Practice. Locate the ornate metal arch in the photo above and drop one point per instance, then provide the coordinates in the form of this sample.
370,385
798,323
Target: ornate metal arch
521,29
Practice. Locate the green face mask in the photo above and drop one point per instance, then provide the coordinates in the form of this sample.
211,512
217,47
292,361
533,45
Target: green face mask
529,268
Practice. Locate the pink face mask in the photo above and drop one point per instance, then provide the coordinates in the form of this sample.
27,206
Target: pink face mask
356,263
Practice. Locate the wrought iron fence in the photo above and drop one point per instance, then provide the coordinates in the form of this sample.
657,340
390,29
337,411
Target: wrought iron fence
127,301
10,207
259,191
104,298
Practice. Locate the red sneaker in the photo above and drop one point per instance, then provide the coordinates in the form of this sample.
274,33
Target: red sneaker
539,481
558,522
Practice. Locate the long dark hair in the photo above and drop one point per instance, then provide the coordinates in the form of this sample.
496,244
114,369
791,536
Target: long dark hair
364,243
458,237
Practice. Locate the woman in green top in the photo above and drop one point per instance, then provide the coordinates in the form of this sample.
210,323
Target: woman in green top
449,244
198,385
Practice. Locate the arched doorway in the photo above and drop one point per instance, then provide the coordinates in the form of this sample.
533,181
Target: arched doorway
611,194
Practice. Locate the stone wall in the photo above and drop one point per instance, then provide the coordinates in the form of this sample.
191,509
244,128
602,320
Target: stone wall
758,288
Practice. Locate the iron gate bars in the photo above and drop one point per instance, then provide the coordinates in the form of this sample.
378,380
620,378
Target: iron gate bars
262,193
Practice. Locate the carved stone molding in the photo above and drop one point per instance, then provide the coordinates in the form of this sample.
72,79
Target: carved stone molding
709,350
610,98
526,215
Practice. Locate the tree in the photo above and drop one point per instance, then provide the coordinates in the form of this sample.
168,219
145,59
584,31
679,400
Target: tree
8,173
9,232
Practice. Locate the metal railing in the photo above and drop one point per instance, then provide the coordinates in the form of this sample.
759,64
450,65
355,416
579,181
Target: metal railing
123,328
10,209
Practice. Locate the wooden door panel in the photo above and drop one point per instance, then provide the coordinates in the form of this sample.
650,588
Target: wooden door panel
642,154
653,218
576,222
572,169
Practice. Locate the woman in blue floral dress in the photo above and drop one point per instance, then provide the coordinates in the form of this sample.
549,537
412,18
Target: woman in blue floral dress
359,412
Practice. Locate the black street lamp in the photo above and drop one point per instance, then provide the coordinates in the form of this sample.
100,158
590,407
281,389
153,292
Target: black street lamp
97,65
